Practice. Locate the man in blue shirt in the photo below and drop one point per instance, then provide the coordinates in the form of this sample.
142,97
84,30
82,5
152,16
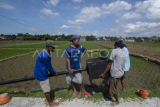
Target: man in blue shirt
126,65
43,63
73,56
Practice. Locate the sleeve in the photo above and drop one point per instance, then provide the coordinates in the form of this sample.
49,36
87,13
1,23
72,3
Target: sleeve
48,65
112,55
67,56
125,51
83,49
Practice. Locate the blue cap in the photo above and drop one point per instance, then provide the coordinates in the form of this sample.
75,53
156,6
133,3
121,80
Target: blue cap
75,37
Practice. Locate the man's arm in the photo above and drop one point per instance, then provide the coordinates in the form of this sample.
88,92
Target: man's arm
107,69
48,65
69,67
90,51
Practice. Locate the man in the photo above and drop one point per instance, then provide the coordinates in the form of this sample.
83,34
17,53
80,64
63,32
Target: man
73,56
117,60
126,65
43,63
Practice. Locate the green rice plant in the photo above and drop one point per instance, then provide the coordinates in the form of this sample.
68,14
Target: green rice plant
20,66
157,81
4,72
151,70
12,68
13,72
145,68
10,75
24,66
146,81
153,77
148,66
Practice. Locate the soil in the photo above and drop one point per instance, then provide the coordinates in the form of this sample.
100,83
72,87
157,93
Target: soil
22,67
150,52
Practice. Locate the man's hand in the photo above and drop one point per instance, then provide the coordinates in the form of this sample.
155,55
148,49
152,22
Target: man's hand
55,74
70,71
102,75
98,50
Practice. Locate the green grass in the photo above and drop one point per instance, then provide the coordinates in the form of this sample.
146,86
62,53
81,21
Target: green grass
18,43
6,53
66,94
10,51
39,46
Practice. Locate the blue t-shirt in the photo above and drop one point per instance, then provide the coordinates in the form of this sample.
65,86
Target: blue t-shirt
43,63
127,61
74,54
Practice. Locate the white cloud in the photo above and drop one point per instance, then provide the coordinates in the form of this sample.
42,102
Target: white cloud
77,0
67,27
6,6
142,27
52,2
48,12
129,15
78,21
76,7
59,33
117,6
150,7
87,14
64,27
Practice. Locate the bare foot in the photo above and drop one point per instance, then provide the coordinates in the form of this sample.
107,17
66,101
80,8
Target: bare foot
114,103
52,98
74,94
53,104
123,89
79,96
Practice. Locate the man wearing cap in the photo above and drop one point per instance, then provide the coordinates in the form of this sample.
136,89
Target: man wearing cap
126,65
43,63
73,56
116,64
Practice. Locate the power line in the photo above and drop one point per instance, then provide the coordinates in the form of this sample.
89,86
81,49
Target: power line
23,23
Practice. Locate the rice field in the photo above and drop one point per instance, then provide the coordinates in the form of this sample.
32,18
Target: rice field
142,75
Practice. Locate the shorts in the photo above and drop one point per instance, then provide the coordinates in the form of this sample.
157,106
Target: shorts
45,86
113,85
75,77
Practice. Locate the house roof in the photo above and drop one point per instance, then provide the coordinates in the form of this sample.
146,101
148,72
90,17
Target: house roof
120,38
58,38
155,38
82,37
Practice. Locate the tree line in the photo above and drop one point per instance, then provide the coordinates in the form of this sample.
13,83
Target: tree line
62,37
44,37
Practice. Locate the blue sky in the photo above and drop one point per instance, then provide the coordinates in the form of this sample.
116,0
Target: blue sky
83,17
